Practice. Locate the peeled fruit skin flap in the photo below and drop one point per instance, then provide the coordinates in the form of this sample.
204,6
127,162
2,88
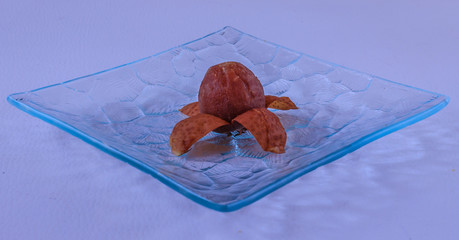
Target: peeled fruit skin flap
191,109
281,103
190,130
228,90
266,127
269,99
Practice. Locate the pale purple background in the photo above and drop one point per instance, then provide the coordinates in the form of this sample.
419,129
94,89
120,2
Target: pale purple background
55,186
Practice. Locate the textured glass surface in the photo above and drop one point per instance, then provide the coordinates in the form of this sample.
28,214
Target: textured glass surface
129,112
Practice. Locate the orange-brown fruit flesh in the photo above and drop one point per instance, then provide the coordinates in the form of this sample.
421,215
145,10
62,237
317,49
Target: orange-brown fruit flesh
190,109
230,89
190,130
266,127
281,103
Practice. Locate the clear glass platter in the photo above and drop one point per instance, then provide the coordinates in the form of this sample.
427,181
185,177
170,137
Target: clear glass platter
129,112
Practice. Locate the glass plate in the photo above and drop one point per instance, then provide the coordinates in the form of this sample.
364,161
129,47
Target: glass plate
129,112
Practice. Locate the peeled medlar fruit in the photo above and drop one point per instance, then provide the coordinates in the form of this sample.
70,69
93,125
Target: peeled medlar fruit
228,90
231,98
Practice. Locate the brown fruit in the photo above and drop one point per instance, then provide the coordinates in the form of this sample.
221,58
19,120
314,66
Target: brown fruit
231,98
228,90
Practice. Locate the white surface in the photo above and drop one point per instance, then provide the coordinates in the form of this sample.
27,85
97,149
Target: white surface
55,186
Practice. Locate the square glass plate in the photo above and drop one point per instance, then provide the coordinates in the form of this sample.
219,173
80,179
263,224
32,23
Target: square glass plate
129,112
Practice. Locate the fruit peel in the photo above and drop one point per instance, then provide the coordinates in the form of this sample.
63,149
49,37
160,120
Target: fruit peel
280,103
190,130
266,127
190,109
